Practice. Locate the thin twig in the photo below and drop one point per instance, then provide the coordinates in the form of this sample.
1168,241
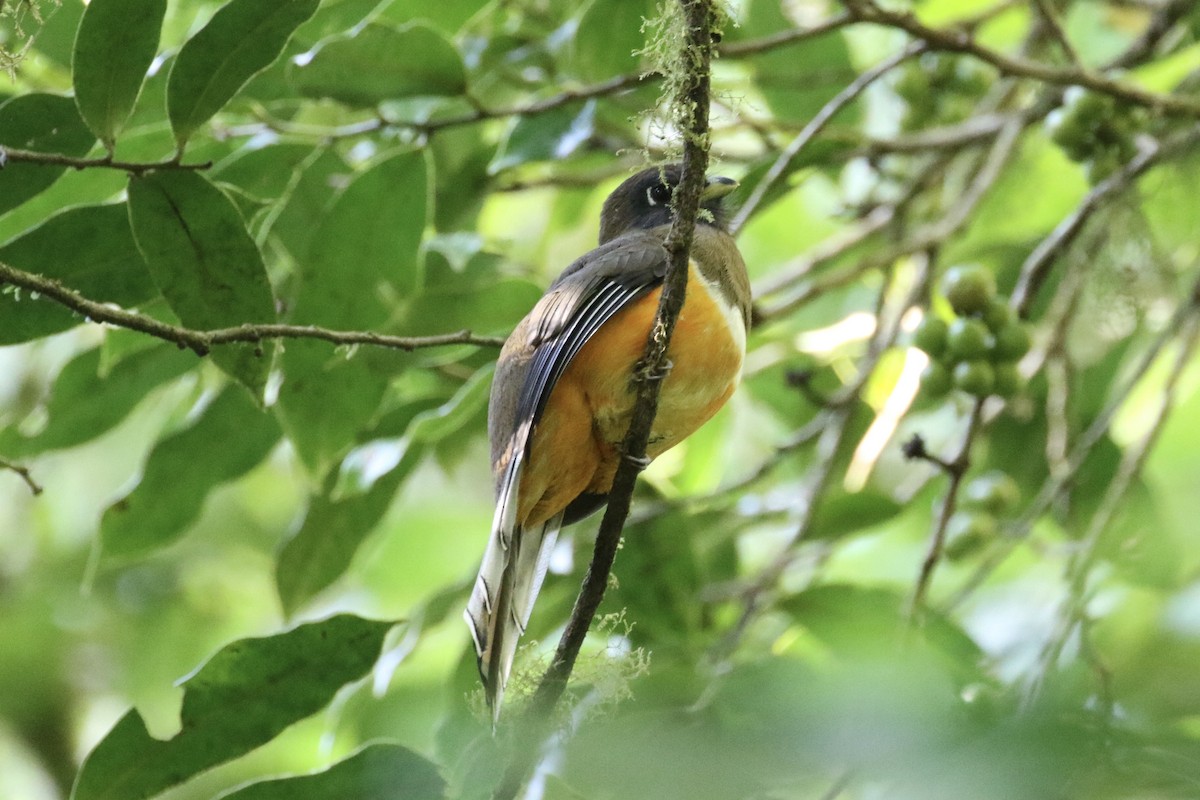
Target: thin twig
775,41
1084,444
935,233
201,342
1050,18
955,468
1163,21
1037,266
1080,566
23,472
814,126
481,113
960,41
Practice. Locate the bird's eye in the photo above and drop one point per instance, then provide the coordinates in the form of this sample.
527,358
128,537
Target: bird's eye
659,194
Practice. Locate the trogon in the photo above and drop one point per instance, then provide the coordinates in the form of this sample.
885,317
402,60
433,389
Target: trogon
563,392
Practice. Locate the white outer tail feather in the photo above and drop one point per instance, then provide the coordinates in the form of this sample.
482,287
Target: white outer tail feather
510,577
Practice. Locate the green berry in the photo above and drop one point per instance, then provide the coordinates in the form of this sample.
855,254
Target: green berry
1012,342
1009,380
936,380
930,336
993,491
1066,131
998,314
968,339
967,532
975,377
969,288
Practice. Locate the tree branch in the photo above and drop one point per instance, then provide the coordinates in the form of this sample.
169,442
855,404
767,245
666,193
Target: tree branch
959,41
201,342
34,487
814,126
618,83
1037,266
12,155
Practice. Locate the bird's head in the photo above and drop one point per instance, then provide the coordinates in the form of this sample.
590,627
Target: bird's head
644,201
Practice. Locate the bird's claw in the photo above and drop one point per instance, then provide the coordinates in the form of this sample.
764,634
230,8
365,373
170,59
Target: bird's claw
641,462
646,372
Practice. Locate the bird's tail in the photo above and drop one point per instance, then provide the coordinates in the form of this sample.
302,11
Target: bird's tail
514,566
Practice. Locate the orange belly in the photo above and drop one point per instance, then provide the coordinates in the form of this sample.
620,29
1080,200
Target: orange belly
576,443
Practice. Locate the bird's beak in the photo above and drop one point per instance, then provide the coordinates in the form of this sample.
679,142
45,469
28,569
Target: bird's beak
716,188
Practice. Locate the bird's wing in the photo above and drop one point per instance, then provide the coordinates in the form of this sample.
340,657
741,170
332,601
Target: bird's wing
588,294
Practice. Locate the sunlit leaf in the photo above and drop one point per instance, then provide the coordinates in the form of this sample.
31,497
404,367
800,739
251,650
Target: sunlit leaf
545,137
243,696
229,437
377,772
84,404
332,530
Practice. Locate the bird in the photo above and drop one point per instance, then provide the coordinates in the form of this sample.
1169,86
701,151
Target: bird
562,394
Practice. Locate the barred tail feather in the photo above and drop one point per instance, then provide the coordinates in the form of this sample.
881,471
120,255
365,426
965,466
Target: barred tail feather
514,566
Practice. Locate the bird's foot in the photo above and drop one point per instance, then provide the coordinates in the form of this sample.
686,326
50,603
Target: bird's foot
641,462
646,372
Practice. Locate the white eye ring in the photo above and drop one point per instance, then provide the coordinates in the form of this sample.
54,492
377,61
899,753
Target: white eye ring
650,193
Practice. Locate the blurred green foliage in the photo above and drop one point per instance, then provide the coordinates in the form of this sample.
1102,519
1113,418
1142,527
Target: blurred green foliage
245,574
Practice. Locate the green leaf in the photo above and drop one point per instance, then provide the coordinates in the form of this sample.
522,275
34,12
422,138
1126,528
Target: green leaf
796,82
331,533
55,39
84,404
857,620
609,33
381,62
306,201
447,16
376,772
88,249
229,437
546,137
435,424
265,173
661,579
44,123
241,40
383,213
205,263
245,695
116,43
839,513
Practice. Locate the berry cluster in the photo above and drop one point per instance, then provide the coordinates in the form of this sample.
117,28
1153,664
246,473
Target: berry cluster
991,495
978,351
939,88
1096,130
